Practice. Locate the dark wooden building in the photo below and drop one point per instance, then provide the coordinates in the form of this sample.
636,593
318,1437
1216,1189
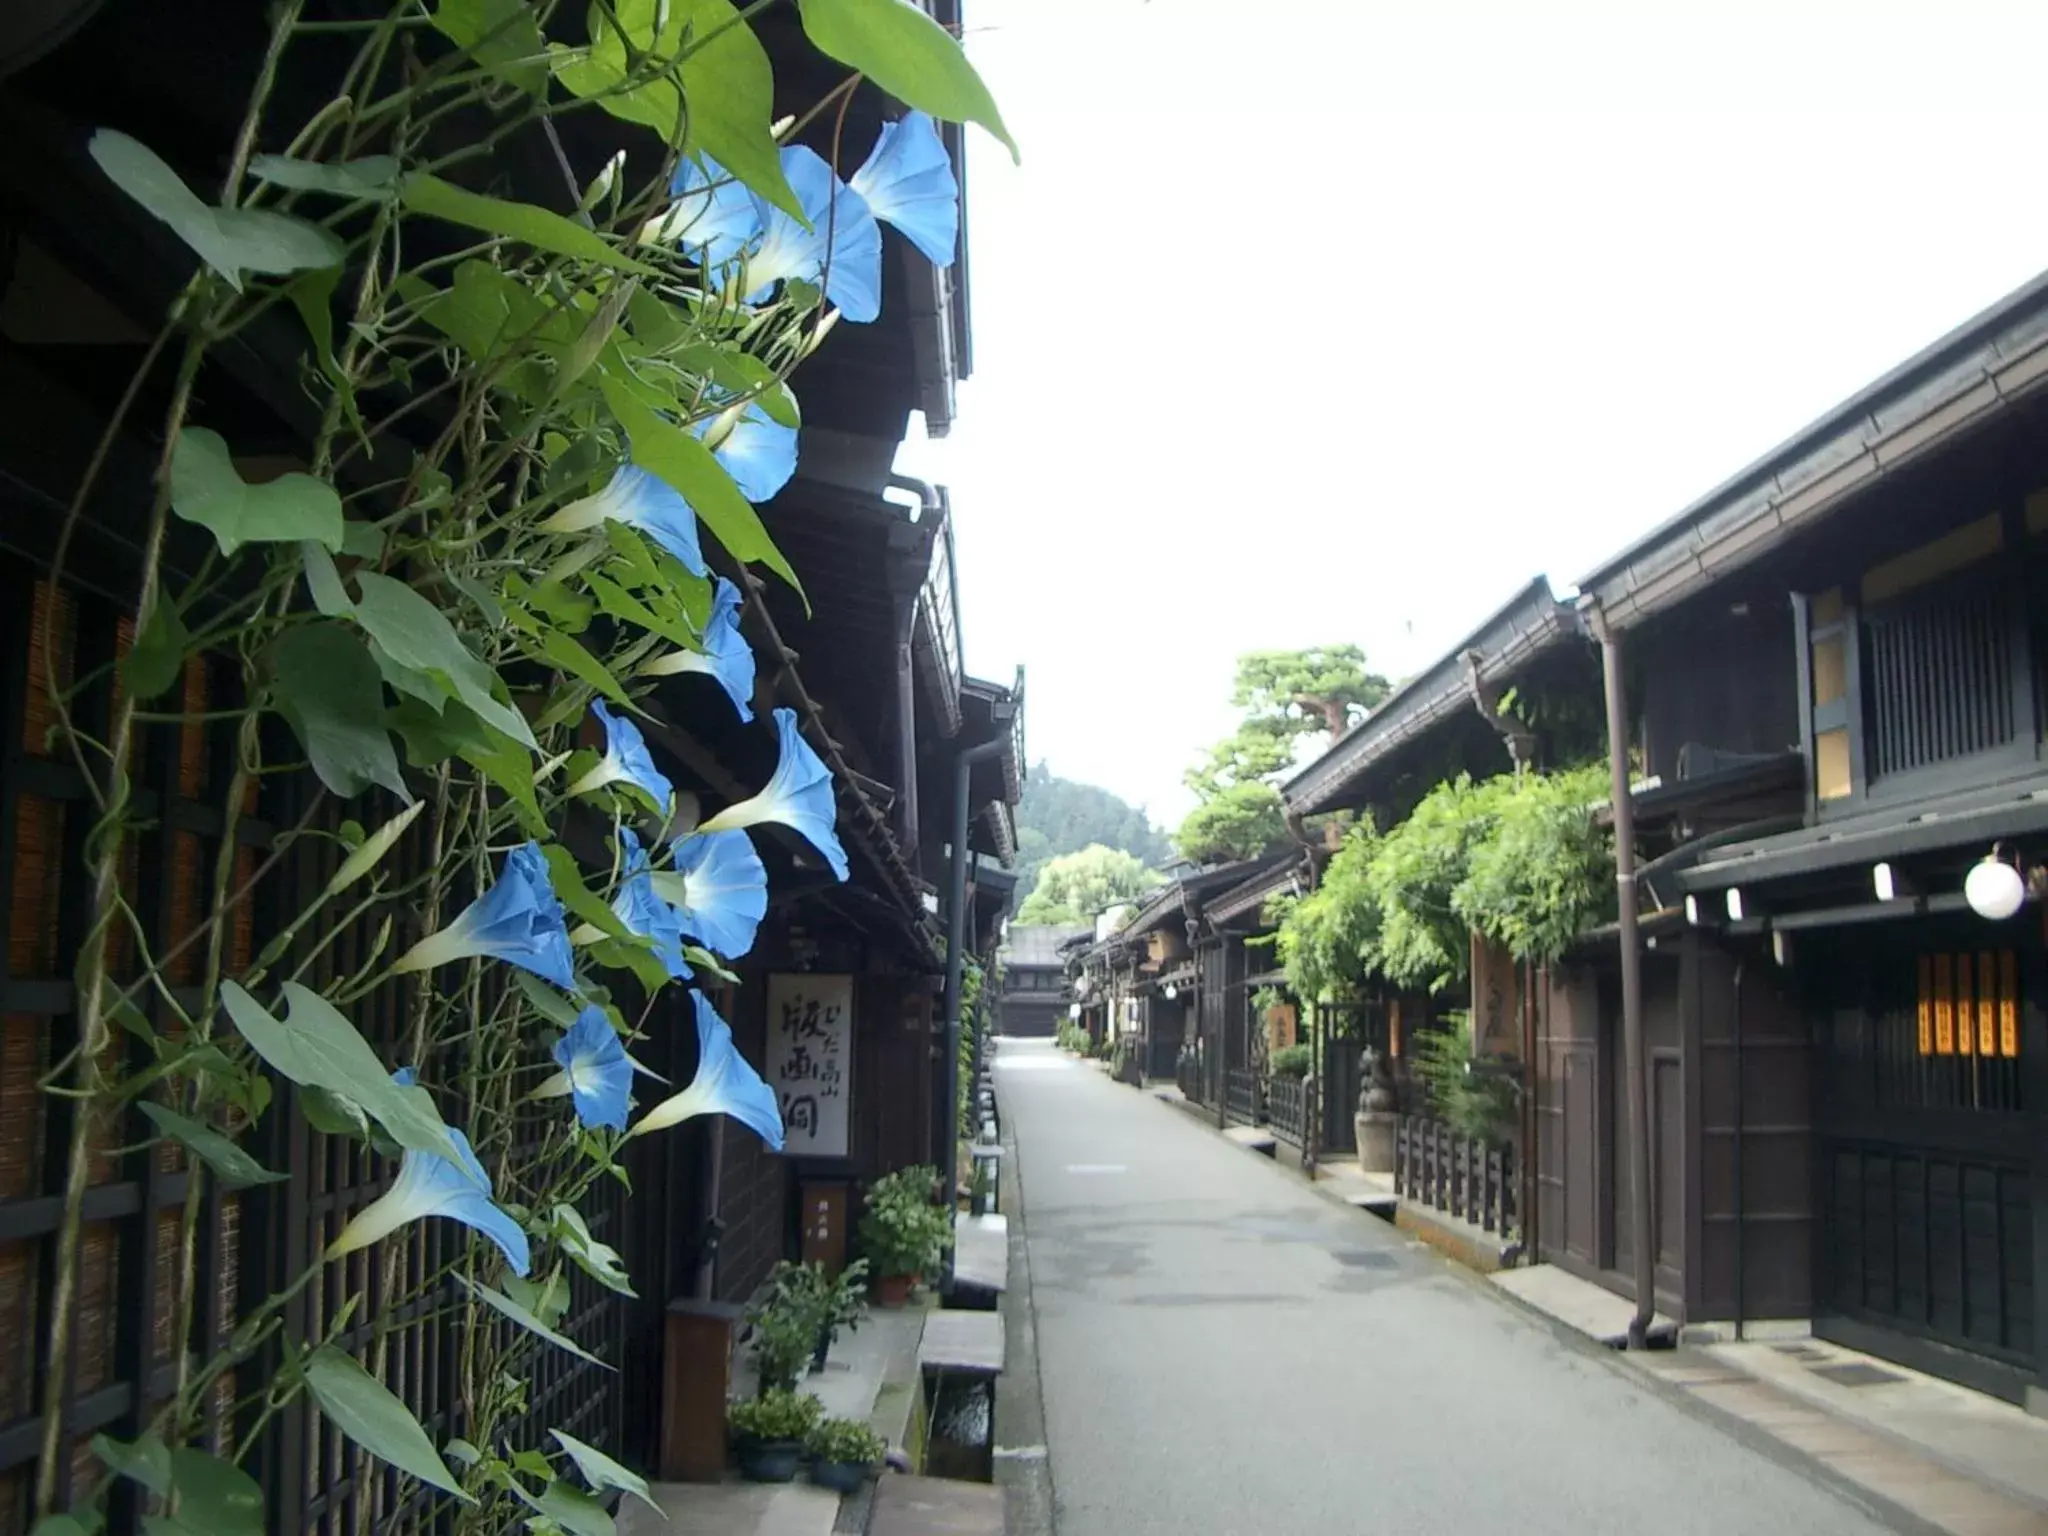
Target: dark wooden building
1445,721
874,676
1837,663
1034,997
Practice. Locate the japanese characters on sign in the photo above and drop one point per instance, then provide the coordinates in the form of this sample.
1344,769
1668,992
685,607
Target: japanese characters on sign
810,1061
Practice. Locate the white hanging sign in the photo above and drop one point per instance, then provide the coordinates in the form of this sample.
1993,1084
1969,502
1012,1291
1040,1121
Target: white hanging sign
810,1061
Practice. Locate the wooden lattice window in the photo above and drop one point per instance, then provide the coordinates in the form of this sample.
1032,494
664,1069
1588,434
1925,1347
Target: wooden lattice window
124,1350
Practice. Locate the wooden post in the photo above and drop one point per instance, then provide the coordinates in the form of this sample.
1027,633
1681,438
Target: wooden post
696,1377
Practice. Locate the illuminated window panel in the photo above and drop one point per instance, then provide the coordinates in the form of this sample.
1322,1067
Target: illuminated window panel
2008,1004
1925,1019
1944,1006
1830,672
1966,1022
1987,1004
1832,779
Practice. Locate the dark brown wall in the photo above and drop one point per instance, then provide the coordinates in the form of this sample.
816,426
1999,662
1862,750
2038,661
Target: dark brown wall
1754,1197
892,1117
754,1182
1571,1119
1663,1036
1033,1013
1723,679
1583,1219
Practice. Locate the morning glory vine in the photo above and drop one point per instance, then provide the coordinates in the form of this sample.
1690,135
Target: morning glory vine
541,441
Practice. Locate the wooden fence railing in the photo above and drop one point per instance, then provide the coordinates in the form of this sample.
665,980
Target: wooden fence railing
1287,1108
1462,1176
1241,1096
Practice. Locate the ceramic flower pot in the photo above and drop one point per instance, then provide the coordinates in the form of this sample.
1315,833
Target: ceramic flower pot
769,1461
840,1476
892,1291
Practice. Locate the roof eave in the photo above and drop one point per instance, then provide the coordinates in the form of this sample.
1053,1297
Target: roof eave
1951,387
1526,626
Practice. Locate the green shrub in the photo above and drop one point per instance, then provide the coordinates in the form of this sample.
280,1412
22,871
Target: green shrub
800,1305
902,1232
1291,1061
1472,1103
785,1336
778,1415
845,1440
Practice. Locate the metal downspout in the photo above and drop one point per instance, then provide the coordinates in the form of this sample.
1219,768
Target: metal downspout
1636,1062
1735,1029
1529,1195
956,954
906,679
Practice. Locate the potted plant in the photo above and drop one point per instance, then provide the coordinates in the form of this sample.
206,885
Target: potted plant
842,1303
785,1322
768,1433
844,1454
902,1233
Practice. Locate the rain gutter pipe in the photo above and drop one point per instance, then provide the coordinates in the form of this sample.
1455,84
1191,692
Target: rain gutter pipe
1636,1065
933,512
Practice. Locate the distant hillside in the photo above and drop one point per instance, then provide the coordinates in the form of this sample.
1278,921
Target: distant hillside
1060,816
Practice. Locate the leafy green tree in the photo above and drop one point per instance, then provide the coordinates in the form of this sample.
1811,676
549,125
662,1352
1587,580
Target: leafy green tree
1234,821
1073,888
1285,696
1328,937
1060,816
1546,872
1520,859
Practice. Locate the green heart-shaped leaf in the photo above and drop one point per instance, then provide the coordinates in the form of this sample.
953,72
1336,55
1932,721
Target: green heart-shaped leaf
367,1411
909,55
157,658
236,1168
601,1472
505,1306
371,176
417,635
330,692
537,227
317,1048
229,240
207,489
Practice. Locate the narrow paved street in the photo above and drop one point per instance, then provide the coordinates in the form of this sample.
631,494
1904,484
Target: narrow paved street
1225,1353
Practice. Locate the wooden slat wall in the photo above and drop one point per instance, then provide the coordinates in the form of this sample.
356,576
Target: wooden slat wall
249,1242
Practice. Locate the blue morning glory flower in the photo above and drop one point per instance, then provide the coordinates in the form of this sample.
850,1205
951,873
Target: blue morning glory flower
798,796
713,215
724,891
625,761
430,1185
639,500
726,655
759,454
724,1085
789,251
596,1072
641,909
908,182
518,920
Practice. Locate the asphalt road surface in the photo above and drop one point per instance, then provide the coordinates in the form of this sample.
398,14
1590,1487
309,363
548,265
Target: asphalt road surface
1222,1350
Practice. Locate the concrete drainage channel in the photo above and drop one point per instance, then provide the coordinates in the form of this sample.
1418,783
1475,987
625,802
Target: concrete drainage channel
961,1357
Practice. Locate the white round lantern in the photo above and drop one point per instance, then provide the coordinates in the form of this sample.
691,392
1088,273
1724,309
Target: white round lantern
1994,889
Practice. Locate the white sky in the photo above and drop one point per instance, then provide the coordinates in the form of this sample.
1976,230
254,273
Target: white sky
1306,321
